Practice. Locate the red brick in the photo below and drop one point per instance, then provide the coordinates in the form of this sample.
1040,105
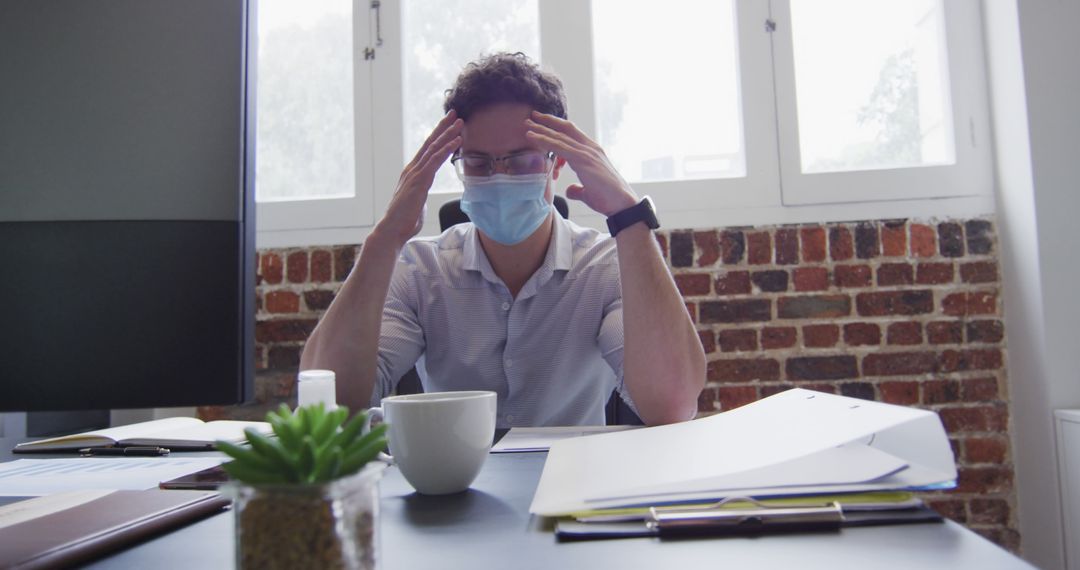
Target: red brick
691,309
890,274
984,480
260,352
821,367
321,266
933,273
867,245
905,333
682,249
841,246
732,397
318,299
923,240
985,450
283,330
770,281
901,393
284,356
813,307
982,303
974,419
733,283
296,265
344,258
979,389
708,247
862,334
282,302
258,302
810,278
952,509
894,239
820,336
985,331
777,337
899,363
787,246
879,304
813,244
945,332
732,246
861,390
851,275
759,248
964,360
738,311
941,392
691,284
737,340
954,305
708,341
979,272
989,511
271,268
708,400
743,369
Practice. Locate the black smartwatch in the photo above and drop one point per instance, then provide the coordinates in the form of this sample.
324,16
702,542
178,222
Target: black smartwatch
643,211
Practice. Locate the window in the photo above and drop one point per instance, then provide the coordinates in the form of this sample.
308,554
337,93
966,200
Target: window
725,111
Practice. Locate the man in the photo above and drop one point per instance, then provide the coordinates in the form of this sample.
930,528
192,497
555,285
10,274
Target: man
549,315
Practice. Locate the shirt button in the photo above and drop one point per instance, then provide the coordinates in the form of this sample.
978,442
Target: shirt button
509,419
506,306
509,363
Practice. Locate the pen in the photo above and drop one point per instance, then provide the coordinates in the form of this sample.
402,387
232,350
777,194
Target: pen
133,451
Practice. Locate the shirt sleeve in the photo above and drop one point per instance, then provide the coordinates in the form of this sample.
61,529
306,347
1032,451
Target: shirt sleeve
401,337
610,341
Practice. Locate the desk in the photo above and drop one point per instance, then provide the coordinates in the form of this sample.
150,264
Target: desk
489,526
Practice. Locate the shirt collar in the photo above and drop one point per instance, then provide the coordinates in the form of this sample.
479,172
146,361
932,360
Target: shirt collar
559,256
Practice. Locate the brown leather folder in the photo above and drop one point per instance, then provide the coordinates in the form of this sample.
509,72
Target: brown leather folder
100,526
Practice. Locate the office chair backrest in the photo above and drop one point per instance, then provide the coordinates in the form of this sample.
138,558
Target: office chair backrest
450,213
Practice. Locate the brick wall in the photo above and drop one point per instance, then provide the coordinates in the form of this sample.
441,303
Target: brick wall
899,311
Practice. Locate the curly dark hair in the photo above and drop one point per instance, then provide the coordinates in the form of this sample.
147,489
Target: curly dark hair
505,78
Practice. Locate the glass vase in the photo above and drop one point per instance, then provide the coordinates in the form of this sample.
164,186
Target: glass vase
332,525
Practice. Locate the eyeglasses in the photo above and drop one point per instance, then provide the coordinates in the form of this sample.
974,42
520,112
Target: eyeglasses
527,162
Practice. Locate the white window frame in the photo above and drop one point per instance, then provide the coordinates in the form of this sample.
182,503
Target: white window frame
971,175
774,191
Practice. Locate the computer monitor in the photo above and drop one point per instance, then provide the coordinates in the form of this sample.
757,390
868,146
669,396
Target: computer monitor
127,209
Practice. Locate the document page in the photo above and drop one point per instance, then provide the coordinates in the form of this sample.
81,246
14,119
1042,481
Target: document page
540,438
36,477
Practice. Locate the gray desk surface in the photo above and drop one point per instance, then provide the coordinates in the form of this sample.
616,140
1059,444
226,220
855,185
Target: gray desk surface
489,526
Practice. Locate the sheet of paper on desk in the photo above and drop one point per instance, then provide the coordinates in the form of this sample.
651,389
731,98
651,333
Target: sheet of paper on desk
794,442
540,438
35,477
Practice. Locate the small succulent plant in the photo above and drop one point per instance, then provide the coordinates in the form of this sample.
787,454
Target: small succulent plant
312,446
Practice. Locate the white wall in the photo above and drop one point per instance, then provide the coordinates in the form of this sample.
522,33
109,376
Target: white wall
1034,80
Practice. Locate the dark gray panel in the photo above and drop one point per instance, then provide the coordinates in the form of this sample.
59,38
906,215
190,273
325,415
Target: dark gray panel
124,315
121,109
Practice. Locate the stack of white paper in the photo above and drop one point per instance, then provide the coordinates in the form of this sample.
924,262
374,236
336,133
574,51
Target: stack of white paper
795,442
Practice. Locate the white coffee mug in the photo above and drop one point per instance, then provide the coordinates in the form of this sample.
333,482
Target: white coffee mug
439,440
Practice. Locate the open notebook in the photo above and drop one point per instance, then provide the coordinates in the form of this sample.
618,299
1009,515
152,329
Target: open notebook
173,433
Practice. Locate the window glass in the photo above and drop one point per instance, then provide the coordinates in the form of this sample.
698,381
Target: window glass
871,83
304,145
667,88
435,50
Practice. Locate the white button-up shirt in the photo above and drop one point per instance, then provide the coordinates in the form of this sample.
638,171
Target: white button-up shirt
553,354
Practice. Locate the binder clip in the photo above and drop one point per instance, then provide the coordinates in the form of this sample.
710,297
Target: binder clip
759,519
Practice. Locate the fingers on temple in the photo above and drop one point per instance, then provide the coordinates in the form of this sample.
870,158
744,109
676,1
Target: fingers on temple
434,146
561,125
562,145
435,159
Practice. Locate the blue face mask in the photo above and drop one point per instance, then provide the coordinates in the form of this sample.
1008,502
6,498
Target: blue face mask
508,208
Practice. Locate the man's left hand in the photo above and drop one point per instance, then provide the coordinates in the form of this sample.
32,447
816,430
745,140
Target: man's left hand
601,188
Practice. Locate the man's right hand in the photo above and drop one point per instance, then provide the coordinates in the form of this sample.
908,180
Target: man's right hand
405,216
